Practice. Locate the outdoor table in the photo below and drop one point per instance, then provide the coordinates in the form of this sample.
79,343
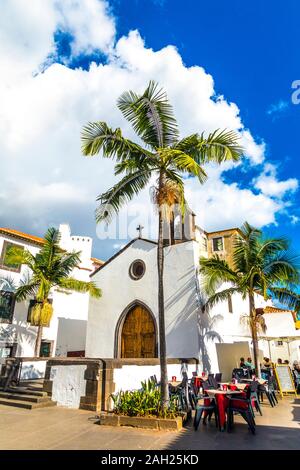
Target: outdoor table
174,383
232,385
260,381
238,386
222,402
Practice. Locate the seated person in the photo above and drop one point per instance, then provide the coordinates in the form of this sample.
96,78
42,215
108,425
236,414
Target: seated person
248,363
287,362
279,361
296,366
242,363
267,362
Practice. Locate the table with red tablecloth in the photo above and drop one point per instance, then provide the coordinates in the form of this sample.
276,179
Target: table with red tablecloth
222,400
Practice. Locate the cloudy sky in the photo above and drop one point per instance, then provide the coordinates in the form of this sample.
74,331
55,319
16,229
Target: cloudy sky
65,62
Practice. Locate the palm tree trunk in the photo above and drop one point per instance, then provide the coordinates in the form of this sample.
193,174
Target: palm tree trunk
252,313
161,307
38,341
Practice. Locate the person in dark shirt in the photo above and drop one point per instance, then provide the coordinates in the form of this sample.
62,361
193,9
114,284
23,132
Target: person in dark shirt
242,363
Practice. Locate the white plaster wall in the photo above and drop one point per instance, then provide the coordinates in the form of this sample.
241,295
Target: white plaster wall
181,302
119,291
129,377
71,334
68,384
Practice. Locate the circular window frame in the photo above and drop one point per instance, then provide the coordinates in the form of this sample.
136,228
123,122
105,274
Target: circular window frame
131,273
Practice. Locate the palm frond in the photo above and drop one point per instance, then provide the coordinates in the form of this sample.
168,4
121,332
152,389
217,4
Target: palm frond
151,115
80,286
26,290
183,162
97,136
221,296
214,272
273,245
246,247
219,146
283,266
287,297
129,186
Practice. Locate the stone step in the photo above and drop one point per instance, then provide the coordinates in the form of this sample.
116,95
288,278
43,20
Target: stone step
26,404
24,397
31,383
26,391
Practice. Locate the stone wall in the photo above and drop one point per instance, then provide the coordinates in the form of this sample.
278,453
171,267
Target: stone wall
88,383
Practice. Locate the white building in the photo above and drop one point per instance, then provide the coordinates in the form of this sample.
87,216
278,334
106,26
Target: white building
123,323
67,331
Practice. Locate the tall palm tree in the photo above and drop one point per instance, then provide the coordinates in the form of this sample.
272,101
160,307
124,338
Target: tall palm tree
163,155
50,267
262,266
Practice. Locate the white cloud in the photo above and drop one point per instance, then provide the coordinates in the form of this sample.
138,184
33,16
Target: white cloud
294,219
277,108
269,185
221,205
44,178
89,22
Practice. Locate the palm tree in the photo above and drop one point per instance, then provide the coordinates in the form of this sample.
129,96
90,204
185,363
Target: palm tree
49,268
165,156
260,266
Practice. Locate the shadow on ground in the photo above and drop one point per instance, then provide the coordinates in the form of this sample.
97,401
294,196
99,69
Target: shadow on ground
277,429
266,438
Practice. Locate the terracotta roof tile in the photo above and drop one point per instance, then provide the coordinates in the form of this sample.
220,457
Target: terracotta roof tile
36,240
97,261
270,309
24,236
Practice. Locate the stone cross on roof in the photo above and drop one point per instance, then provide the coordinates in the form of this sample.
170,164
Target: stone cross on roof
140,230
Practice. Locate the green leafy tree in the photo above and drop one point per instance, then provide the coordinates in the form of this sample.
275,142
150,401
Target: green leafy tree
260,266
163,155
50,267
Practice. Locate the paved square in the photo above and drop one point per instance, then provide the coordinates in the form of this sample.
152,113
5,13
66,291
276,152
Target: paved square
62,428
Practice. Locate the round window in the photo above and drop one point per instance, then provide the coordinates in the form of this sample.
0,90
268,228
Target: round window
137,269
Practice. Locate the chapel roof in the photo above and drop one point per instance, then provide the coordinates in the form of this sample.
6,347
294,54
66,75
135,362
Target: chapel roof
121,251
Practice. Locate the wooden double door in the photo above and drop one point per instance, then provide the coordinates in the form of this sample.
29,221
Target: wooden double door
138,337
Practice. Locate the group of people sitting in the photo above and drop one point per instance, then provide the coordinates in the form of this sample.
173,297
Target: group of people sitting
267,364
247,366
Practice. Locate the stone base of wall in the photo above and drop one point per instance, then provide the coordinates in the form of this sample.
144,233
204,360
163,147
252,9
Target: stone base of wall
161,424
98,379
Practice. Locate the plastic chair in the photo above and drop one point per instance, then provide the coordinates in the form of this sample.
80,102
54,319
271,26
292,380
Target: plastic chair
218,377
212,381
210,408
243,407
253,390
269,390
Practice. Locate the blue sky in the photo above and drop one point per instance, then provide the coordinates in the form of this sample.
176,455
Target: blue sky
252,51
66,63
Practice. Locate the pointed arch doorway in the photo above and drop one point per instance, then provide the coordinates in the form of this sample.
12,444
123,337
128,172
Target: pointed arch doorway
137,333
